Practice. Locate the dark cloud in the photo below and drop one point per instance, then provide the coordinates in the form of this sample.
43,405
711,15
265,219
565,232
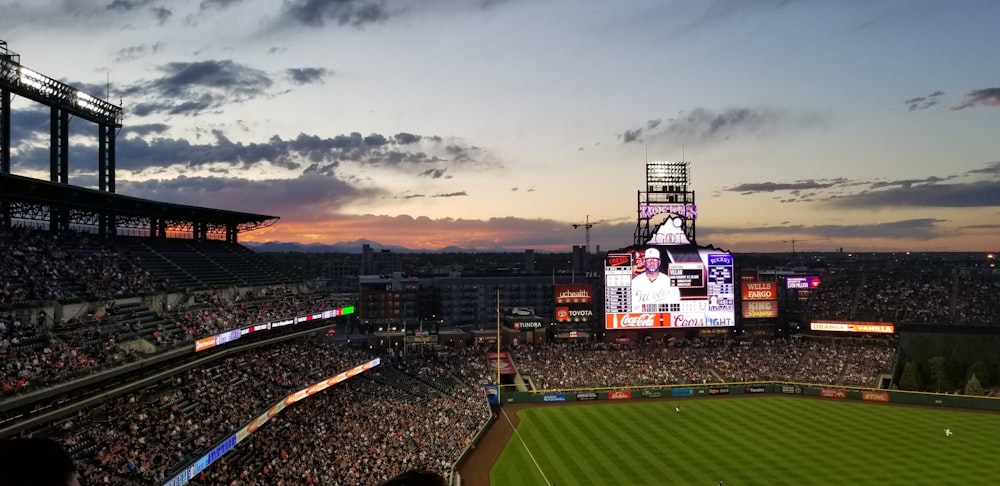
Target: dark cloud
29,124
433,173
190,88
127,5
631,135
756,187
403,138
702,124
139,51
452,194
306,75
923,102
987,96
907,183
972,194
218,4
162,15
316,13
716,12
992,169
412,196
307,197
144,130
318,155
923,228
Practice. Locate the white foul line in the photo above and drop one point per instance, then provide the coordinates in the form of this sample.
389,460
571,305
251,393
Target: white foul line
532,456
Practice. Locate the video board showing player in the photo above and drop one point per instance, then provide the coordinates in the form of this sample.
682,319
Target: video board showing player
650,286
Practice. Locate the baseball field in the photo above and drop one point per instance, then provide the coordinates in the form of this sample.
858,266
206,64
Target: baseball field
746,441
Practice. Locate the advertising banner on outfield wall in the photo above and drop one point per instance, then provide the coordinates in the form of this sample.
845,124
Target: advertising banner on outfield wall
832,393
554,397
873,396
682,392
718,391
586,396
620,395
754,389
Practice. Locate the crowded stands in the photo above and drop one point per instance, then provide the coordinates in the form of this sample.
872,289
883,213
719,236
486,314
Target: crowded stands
415,411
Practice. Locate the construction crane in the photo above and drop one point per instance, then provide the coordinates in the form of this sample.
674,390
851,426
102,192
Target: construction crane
589,224
792,241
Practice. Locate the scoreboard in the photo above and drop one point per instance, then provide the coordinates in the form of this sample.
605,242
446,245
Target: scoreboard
701,290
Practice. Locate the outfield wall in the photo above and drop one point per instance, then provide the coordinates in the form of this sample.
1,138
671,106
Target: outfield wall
753,388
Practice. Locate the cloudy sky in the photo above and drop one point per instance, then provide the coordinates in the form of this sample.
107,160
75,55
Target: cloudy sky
870,125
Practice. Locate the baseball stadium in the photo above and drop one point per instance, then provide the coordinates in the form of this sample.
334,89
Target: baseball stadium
147,345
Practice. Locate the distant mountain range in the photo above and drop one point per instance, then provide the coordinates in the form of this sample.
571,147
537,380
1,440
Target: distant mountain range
352,247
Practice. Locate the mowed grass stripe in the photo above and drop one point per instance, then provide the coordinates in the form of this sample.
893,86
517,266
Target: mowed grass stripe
556,438
736,461
709,443
769,441
657,444
612,458
615,455
586,454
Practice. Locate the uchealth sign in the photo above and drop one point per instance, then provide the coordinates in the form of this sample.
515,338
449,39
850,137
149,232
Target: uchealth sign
573,294
760,290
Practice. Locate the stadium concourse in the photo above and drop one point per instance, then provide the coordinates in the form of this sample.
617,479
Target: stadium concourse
418,411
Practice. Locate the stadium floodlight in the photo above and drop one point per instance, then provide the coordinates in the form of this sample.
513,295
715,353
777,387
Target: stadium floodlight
30,78
33,85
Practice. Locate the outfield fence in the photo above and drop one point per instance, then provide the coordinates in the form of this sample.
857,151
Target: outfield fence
753,388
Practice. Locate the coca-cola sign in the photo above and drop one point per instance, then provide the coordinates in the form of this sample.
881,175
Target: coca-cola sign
637,321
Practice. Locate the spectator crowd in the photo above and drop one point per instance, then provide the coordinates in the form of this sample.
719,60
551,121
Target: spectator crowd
415,411
816,360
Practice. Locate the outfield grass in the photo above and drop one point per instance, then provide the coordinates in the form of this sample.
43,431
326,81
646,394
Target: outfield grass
750,441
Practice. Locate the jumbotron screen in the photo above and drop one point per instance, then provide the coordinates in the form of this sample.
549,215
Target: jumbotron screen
656,286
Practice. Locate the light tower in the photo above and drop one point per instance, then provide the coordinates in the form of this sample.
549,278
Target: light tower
666,193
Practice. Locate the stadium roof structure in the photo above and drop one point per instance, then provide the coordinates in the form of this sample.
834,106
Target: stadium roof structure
35,199
64,206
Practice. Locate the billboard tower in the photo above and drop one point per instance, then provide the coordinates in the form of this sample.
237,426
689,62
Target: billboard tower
666,193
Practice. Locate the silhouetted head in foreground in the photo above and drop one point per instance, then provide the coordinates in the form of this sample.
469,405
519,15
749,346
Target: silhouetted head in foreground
36,462
416,478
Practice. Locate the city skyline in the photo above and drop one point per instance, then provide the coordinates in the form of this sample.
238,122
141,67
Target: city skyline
868,126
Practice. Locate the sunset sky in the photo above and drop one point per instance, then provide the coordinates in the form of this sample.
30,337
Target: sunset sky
868,125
